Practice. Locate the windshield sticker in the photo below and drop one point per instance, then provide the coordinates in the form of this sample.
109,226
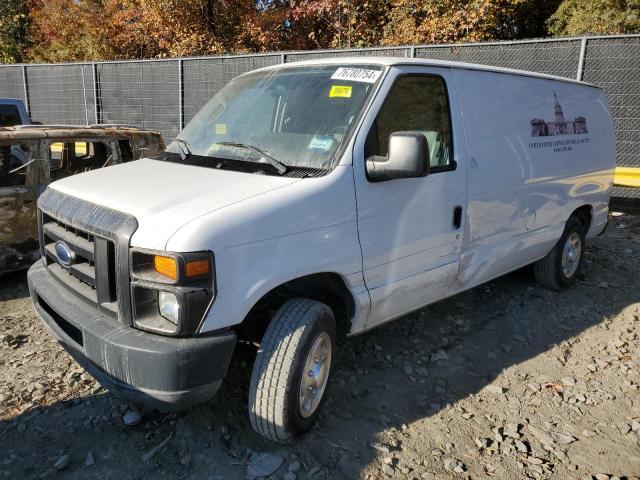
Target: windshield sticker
356,75
221,128
340,91
320,144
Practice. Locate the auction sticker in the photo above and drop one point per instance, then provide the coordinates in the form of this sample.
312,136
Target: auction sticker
341,91
356,74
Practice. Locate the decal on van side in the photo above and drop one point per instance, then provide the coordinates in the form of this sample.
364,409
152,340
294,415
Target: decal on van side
559,126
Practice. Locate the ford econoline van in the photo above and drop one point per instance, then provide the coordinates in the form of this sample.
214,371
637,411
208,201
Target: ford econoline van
312,198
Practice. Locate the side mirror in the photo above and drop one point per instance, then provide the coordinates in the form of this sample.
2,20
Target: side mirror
408,158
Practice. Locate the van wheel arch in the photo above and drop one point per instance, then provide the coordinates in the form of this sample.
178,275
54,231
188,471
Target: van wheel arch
584,215
326,287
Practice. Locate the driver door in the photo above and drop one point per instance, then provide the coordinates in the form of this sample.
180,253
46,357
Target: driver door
411,229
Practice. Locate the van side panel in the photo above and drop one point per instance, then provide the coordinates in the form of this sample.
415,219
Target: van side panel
538,149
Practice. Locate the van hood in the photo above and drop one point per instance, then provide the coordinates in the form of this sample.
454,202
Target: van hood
163,196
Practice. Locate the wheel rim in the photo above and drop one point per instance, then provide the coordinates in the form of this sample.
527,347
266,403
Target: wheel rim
571,254
315,374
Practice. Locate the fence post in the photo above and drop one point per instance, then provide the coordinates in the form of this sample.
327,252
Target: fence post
96,91
283,58
26,90
84,96
412,51
180,95
583,52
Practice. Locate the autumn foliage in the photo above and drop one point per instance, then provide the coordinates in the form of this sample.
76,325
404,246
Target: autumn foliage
64,30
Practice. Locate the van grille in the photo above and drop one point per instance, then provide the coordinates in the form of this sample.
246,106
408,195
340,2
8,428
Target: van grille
99,239
91,273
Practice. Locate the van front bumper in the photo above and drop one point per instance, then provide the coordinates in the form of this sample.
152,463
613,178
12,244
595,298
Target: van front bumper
162,372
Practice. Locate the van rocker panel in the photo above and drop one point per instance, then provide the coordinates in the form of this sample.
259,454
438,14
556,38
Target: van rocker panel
163,372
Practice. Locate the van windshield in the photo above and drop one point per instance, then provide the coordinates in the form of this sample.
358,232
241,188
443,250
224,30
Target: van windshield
280,121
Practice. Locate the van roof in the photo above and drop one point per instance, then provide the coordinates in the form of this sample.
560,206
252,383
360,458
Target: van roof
397,61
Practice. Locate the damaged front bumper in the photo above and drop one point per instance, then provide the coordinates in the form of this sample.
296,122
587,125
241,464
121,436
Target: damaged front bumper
163,372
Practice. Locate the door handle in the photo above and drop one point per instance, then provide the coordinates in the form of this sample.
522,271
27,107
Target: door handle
457,216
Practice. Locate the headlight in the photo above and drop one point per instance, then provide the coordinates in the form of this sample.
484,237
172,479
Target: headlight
169,306
171,292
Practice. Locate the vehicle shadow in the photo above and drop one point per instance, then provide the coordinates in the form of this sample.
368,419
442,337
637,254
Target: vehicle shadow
443,355
13,285
396,375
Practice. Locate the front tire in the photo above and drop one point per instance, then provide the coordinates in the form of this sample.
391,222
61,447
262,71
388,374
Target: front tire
291,370
561,267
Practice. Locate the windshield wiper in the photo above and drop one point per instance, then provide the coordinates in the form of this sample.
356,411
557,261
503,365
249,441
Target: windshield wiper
184,148
279,166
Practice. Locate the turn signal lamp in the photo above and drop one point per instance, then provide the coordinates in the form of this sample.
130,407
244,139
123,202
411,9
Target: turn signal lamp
197,268
166,266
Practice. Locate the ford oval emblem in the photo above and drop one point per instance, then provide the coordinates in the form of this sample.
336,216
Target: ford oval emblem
65,255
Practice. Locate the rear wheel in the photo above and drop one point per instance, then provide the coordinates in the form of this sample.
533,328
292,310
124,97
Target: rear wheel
292,370
561,267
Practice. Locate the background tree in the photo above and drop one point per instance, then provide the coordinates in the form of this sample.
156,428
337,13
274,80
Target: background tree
14,21
67,30
119,29
336,23
578,17
446,21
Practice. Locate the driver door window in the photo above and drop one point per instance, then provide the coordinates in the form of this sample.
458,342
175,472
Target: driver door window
417,103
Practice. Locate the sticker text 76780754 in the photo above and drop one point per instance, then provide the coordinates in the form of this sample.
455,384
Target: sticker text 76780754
356,74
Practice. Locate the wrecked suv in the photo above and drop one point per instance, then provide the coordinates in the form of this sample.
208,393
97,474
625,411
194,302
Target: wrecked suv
314,198
31,157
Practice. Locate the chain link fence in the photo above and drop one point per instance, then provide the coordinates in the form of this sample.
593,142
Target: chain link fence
165,94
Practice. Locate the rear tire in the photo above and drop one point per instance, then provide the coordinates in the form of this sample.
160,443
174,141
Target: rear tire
561,267
295,357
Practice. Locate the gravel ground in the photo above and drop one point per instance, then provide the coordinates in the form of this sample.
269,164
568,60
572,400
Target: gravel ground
506,381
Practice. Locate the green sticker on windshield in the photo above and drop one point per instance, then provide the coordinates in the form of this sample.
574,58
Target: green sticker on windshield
221,128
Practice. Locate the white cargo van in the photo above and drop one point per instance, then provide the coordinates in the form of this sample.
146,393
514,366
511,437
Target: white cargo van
314,197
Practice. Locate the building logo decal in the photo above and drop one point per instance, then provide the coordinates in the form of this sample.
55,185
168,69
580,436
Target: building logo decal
559,126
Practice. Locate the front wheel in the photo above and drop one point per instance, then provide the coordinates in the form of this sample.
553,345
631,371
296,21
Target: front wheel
291,370
562,265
